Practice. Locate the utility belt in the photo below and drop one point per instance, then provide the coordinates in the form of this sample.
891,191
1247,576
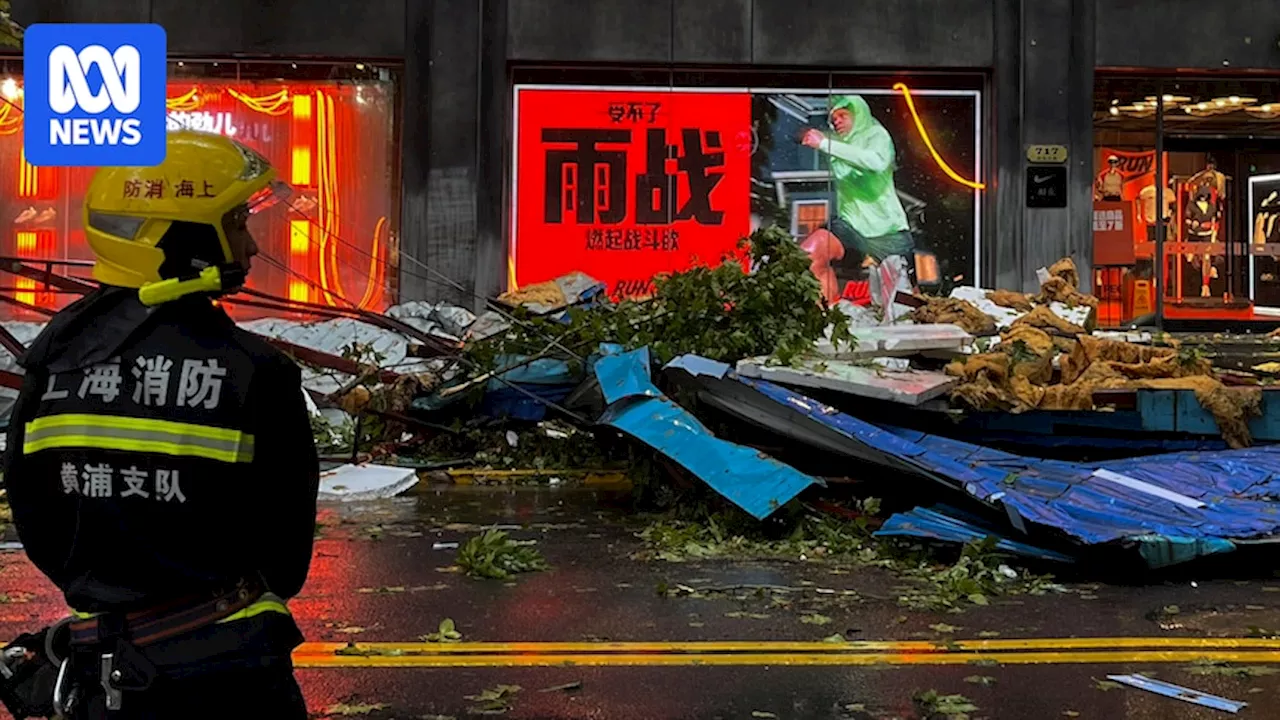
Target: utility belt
53,672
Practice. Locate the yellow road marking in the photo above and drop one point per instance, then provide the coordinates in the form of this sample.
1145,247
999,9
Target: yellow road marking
773,647
448,660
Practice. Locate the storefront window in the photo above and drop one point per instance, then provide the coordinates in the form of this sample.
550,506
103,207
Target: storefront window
623,182
329,130
1220,162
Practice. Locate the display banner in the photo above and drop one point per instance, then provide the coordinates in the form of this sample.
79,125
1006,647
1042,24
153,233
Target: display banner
622,185
626,183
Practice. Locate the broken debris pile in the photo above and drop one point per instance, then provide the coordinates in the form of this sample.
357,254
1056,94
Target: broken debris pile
1030,369
559,364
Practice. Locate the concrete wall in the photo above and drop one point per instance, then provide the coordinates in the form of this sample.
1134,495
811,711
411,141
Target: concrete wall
457,55
1205,34
836,33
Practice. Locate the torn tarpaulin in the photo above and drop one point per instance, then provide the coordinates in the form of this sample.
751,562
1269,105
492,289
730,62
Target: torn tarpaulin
1172,507
750,479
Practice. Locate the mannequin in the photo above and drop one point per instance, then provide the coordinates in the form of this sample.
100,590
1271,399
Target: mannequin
1110,183
1210,174
1203,220
1147,208
1147,204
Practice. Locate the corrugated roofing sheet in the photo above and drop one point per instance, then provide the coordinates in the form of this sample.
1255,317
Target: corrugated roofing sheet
1174,506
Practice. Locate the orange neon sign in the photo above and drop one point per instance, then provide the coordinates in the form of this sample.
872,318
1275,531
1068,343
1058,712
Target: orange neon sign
924,135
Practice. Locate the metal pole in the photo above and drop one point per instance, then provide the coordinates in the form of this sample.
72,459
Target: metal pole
1158,257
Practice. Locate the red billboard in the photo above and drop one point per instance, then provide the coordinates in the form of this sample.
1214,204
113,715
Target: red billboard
623,184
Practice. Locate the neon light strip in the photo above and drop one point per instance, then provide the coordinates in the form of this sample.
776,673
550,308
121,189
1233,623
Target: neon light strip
373,291
924,135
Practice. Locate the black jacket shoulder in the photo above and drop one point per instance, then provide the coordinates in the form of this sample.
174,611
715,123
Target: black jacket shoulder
263,354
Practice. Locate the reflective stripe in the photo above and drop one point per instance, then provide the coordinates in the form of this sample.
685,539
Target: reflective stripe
112,432
269,602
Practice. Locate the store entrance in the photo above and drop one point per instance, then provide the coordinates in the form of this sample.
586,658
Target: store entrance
1219,169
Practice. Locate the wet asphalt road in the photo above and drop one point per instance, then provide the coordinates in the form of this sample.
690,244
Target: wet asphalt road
377,578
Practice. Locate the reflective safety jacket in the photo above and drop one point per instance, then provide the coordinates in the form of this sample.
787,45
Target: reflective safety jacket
158,452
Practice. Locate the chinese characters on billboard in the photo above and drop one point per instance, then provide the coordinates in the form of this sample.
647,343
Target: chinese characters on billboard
623,184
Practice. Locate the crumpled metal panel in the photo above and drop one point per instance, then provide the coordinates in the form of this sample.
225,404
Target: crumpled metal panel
1220,496
948,524
750,479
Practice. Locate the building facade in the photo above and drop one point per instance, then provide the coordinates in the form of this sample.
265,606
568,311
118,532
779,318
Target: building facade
461,146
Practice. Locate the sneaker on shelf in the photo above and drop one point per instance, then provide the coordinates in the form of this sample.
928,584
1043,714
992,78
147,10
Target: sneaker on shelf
46,216
304,204
26,216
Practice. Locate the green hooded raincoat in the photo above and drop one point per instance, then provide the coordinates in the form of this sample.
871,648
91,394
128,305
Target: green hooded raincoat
863,164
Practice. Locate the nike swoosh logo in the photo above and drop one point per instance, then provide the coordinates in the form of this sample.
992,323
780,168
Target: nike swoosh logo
1037,179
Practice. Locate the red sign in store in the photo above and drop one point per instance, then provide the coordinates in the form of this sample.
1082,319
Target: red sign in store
624,185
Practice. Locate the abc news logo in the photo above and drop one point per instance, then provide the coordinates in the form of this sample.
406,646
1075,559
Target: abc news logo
95,94
121,90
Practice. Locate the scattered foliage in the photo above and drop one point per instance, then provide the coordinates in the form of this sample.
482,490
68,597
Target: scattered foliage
951,707
1106,685
10,32
494,701
565,687
1206,666
983,680
541,447
447,633
494,555
978,574
354,709
724,313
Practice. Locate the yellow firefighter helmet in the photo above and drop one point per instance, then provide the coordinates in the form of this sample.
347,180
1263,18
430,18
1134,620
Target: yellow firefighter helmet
204,178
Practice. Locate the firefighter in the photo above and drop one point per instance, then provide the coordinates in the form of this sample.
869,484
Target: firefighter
160,465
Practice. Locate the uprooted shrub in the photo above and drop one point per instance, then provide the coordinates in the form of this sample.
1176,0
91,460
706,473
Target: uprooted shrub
723,312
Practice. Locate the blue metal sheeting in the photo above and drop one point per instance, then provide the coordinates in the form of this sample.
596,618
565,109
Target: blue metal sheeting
1173,507
951,525
750,479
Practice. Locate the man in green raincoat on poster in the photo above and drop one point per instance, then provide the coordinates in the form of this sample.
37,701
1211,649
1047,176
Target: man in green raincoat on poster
870,224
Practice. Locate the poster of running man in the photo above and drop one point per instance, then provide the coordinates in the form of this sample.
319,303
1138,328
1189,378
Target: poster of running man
623,183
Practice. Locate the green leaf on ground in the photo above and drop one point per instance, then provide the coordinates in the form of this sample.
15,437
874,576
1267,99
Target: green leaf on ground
943,628
1225,669
575,685
493,701
447,633
983,680
495,556
814,619
951,707
1106,685
356,709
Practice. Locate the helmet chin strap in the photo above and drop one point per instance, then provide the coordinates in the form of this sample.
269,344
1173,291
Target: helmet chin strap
214,280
